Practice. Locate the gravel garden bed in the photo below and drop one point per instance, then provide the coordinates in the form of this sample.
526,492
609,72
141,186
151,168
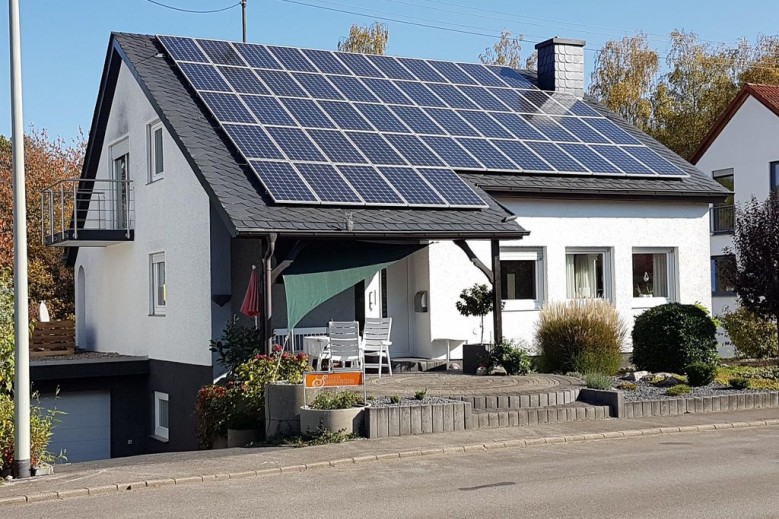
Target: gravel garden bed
385,401
646,391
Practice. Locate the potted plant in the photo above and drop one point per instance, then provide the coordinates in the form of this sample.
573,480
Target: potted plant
338,411
211,410
245,417
476,301
284,394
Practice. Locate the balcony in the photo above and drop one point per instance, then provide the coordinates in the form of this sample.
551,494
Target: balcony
88,213
723,219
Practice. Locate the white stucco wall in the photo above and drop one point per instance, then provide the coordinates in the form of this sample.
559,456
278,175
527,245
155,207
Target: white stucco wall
556,225
171,216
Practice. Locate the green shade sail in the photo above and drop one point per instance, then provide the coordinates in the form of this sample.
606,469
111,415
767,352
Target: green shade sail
325,269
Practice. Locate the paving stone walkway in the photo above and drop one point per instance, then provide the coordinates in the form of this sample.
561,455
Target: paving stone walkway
455,384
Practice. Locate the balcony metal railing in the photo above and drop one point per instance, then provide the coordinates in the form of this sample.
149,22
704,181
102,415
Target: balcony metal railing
81,206
723,219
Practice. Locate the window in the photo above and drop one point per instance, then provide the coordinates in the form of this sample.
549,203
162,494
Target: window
120,174
158,295
521,277
654,273
723,214
587,273
775,178
722,270
156,156
161,415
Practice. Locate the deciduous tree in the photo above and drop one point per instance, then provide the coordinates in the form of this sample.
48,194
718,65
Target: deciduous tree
506,51
365,39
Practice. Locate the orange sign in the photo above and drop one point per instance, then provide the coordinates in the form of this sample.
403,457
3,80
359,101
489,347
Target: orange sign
337,379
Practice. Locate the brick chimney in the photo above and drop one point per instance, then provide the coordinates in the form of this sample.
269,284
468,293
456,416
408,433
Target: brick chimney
561,65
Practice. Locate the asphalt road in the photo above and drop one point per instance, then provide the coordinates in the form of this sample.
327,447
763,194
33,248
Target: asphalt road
730,473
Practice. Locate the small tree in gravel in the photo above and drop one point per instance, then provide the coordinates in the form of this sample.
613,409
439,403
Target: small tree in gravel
756,247
476,301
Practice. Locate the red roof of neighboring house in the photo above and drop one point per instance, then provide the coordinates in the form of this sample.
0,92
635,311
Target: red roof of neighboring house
766,94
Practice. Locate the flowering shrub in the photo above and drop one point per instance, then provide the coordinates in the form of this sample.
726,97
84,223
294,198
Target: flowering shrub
211,410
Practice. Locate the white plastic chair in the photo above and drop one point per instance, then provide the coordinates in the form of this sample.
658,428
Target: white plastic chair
376,343
344,344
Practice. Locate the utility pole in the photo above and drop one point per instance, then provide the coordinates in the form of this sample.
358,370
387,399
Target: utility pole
243,18
21,466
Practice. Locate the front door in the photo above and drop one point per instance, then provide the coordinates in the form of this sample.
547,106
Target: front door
398,300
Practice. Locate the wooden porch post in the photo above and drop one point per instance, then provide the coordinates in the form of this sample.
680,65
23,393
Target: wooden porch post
267,263
497,292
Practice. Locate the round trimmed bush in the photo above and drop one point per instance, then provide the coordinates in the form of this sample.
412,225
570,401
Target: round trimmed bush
584,335
701,374
672,336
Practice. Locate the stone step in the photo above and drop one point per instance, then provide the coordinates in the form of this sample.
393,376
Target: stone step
505,417
539,399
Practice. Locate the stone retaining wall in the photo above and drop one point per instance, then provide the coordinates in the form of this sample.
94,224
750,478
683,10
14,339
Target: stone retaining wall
381,422
540,399
702,404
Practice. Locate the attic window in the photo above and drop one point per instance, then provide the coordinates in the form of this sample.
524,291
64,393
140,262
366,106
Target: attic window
156,154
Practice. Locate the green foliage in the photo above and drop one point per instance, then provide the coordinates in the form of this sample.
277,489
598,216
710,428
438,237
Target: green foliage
700,373
669,337
738,383
506,51
583,335
753,336
421,394
42,422
321,437
365,40
394,399
329,400
627,386
237,345
211,411
6,332
476,301
513,358
597,381
678,390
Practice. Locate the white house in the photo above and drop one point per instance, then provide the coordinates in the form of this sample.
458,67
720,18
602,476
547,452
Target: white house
741,152
409,179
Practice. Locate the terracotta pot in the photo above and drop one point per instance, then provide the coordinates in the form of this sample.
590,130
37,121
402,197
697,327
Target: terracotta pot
349,421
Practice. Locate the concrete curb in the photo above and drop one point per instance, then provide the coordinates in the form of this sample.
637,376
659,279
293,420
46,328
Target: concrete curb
509,444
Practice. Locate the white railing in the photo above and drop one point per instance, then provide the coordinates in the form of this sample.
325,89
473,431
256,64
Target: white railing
75,204
295,342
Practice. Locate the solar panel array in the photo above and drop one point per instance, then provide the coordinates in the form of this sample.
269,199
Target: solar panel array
351,129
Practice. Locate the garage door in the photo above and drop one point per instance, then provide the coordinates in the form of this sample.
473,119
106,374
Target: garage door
84,431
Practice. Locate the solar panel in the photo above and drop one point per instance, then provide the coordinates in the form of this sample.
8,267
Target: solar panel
411,186
390,67
382,118
254,142
452,153
283,105
336,146
451,187
317,86
268,110
295,144
227,108
555,156
414,150
345,115
327,183
488,154
183,49
370,185
221,52
307,113
205,77
243,80
292,59
283,182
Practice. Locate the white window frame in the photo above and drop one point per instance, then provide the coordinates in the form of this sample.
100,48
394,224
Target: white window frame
160,432
526,254
155,308
671,277
608,268
151,129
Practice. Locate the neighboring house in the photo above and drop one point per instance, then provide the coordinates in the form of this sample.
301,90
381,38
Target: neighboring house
741,152
187,184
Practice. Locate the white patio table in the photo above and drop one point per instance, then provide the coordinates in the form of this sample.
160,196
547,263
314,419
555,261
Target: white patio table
315,347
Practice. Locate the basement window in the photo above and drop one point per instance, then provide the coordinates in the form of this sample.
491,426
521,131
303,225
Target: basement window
161,421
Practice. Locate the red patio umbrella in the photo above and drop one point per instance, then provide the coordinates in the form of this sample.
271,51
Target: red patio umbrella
251,301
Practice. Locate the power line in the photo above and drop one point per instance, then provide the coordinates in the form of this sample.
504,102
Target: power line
193,11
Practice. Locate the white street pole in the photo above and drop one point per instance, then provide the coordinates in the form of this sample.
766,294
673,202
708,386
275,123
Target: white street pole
21,466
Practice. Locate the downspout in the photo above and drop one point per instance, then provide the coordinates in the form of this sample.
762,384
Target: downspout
267,262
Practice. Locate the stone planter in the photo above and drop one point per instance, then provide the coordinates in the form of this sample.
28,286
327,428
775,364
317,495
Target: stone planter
282,409
349,421
220,442
472,357
242,437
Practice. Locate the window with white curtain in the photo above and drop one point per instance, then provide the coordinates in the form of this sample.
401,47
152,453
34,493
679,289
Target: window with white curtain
654,273
587,273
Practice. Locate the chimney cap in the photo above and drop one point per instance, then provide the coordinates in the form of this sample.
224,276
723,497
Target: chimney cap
560,41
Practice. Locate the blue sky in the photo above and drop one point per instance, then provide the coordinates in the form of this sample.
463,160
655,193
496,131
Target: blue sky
64,42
